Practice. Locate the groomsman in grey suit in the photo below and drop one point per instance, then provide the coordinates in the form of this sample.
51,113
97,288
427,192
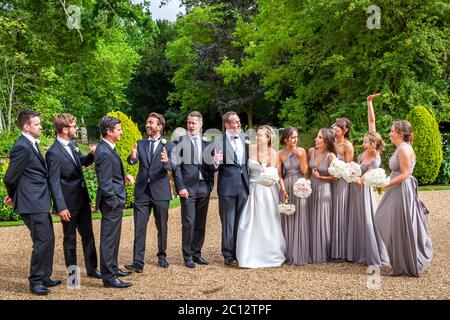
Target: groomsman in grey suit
152,191
233,182
27,186
111,200
196,171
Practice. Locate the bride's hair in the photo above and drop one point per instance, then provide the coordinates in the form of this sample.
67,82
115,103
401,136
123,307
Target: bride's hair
270,133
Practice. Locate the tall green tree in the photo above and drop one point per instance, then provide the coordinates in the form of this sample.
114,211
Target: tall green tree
319,59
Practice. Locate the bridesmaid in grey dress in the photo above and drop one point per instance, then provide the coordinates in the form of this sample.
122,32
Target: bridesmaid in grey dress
294,165
339,217
364,243
320,201
399,217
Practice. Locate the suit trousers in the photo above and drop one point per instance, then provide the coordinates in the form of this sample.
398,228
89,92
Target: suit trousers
142,211
230,208
80,220
193,217
42,235
110,230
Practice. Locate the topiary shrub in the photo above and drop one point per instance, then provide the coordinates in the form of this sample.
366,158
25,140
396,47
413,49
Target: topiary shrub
444,172
131,134
426,144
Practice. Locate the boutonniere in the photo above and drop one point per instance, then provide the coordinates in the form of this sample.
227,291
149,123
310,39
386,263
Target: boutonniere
205,139
76,149
247,140
163,141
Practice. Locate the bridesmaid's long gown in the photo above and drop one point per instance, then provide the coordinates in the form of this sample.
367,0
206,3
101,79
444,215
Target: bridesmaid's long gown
364,243
295,226
402,225
320,204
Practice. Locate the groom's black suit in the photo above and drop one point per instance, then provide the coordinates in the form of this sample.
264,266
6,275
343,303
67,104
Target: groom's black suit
233,189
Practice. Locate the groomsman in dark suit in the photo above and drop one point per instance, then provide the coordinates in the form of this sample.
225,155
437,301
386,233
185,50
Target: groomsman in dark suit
69,192
111,199
27,186
233,184
196,171
152,191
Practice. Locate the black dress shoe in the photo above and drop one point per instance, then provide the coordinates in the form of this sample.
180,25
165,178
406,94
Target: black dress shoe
121,273
94,274
200,260
52,283
116,283
228,261
134,267
189,263
163,262
40,290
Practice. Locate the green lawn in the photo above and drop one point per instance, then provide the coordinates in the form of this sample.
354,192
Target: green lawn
95,216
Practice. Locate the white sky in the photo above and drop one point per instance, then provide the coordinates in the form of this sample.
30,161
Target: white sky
168,12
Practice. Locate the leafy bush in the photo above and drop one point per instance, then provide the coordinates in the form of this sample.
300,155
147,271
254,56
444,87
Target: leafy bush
427,144
444,172
131,134
6,212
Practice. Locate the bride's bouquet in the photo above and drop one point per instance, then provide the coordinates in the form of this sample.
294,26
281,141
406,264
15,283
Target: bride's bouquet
286,209
351,172
336,168
302,188
376,178
269,176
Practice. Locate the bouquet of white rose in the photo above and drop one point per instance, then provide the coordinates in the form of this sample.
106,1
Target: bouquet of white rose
351,172
269,176
376,178
302,188
286,209
336,168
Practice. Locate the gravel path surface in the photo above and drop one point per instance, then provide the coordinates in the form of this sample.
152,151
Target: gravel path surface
337,280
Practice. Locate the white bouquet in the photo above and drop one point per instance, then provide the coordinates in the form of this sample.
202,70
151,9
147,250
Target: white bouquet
269,176
351,172
336,168
302,188
376,178
286,209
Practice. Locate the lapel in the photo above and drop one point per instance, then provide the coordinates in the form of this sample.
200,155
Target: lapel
116,155
37,153
64,151
145,145
245,148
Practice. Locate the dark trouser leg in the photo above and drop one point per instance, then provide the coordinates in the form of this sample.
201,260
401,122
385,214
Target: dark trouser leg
227,211
141,216
41,230
201,211
70,239
161,211
84,221
109,241
187,222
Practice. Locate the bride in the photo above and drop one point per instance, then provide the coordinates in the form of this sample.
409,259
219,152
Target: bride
260,241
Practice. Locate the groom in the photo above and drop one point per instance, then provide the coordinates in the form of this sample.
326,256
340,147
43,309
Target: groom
233,184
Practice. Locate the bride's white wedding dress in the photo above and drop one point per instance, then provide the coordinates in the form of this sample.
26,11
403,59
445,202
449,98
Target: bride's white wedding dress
260,241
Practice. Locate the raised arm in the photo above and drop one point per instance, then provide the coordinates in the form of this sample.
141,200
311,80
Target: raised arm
371,113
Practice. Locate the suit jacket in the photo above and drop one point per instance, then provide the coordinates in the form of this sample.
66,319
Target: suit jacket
230,172
187,175
26,178
152,172
110,177
66,178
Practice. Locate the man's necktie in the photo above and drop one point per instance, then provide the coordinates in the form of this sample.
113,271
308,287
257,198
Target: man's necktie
150,151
